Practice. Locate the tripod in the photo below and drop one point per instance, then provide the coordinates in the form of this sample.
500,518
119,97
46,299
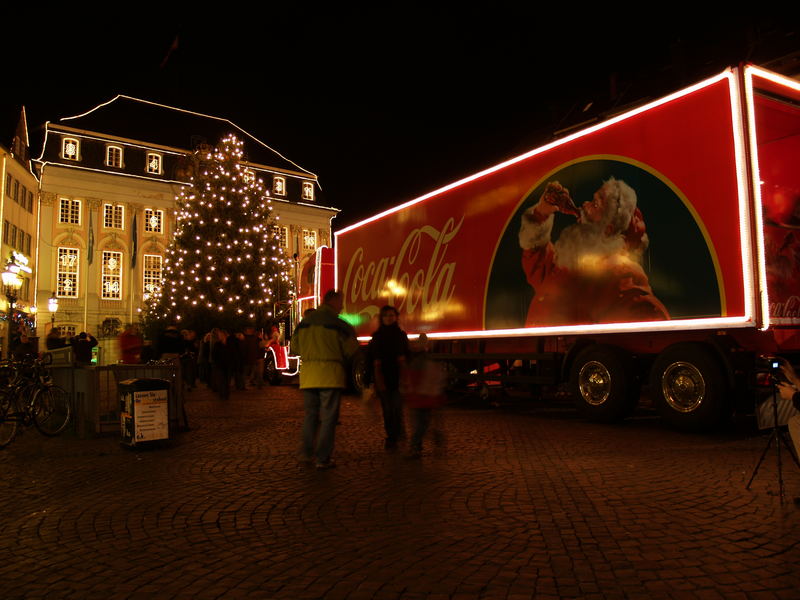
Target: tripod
778,436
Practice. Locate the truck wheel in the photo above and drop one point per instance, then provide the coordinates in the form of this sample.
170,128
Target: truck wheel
604,383
358,372
689,387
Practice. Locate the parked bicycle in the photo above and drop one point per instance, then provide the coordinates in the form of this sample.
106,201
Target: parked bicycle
29,397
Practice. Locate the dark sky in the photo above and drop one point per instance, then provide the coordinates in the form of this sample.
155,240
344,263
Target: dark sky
383,107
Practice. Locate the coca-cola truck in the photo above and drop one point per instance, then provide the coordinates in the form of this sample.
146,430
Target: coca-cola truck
661,246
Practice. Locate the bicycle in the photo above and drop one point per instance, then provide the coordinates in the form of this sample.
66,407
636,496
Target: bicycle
30,397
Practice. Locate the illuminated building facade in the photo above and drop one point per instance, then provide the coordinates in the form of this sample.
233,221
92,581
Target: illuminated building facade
109,178
19,206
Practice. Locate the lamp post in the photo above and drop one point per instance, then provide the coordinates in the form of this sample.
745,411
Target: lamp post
52,306
12,282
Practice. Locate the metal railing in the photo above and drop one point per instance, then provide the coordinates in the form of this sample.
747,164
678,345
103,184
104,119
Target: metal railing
95,397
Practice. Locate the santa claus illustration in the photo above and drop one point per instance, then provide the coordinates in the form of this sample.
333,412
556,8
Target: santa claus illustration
593,272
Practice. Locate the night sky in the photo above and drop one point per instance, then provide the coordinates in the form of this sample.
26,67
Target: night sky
382,107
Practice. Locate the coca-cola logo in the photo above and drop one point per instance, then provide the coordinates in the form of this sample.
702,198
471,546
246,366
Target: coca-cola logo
785,310
417,277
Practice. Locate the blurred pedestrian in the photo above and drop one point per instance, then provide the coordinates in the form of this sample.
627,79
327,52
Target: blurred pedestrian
220,363
235,346
25,349
189,358
253,358
204,361
170,343
325,344
130,345
54,339
387,354
422,385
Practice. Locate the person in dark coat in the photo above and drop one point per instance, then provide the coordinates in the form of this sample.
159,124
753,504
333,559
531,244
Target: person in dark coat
170,344
220,363
82,345
54,340
387,352
25,349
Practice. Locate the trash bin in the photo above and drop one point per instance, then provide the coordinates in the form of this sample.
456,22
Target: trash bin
144,411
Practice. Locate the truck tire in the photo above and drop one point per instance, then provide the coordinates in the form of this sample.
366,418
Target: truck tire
689,388
358,372
604,383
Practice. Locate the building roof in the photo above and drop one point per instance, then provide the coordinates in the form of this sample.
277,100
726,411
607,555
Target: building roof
154,123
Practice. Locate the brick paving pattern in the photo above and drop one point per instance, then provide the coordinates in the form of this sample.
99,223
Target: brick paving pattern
519,505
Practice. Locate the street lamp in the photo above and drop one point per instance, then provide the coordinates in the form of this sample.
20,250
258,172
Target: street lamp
12,282
52,306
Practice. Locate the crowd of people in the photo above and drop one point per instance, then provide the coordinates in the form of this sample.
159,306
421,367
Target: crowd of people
399,373
220,359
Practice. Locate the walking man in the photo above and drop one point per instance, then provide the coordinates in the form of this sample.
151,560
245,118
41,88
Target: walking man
325,344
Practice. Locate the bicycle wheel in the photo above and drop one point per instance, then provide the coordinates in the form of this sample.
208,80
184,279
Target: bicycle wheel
8,420
51,410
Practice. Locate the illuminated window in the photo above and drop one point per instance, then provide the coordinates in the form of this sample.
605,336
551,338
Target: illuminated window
114,156
152,274
282,233
309,239
113,216
154,161
70,149
67,273
111,275
279,186
154,220
308,190
69,211
249,176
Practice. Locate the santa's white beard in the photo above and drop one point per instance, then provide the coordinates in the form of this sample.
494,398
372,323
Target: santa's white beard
584,245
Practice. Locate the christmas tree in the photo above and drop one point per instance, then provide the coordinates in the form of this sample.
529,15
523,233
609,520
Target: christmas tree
225,267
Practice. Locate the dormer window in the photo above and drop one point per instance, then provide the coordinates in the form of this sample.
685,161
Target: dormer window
154,161
114,156
70,149
279,186
308,190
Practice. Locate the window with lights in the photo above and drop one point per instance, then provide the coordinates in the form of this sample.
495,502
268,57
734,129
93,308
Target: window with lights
154,162
113,216
309,239
67,272
70,148
308,190
111,285
69,211
153,269
153,220
282,234
279,186
114,156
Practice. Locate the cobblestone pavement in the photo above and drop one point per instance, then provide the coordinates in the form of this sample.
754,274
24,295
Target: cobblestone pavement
521,504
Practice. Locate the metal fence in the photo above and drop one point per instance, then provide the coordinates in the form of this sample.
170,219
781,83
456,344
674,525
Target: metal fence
95,396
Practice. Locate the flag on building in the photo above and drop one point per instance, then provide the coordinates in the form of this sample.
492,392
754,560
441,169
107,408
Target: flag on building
134,238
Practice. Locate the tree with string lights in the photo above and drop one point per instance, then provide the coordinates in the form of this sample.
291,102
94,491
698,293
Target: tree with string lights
225,267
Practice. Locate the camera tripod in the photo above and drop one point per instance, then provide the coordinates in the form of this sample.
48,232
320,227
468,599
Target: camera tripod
778,436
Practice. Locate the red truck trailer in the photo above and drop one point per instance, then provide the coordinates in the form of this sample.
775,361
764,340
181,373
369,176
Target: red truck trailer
660,246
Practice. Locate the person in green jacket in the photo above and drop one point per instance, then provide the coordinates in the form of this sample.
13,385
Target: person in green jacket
325,344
